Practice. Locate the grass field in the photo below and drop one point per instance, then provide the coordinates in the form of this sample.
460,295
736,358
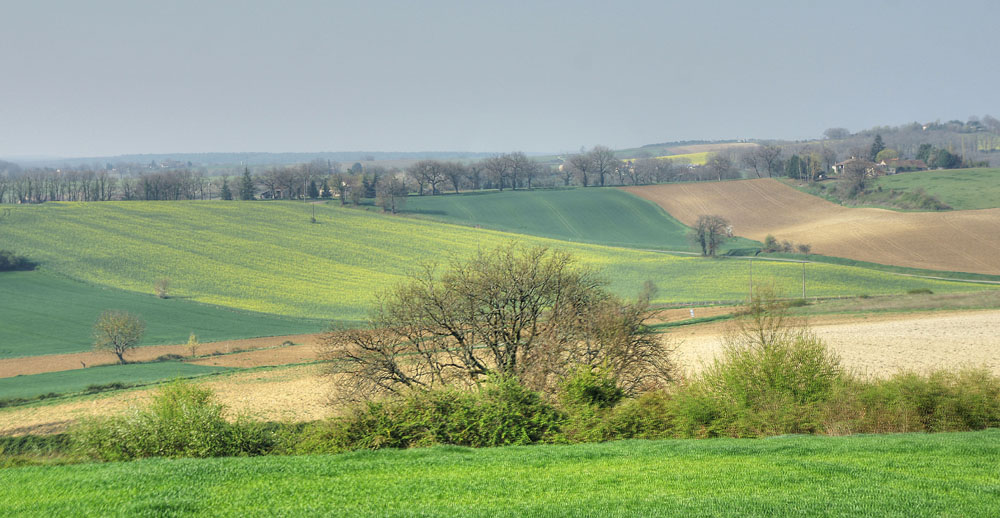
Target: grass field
962,189
43,313
601,216
897,475
67,382
268,257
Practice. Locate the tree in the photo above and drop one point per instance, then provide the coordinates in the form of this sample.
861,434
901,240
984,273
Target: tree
603,162
877,147
721,167
391,194
710,232
527,313
246,185
193,345
327,193
836,133
854,178
886,154
312,192
944,159
118,332
581,165
225,193
498,170
924,153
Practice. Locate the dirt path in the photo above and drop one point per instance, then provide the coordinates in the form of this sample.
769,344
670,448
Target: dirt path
10,367
880,344
961,241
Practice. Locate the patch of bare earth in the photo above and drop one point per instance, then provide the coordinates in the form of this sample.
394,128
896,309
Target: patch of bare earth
291,394
10,367
961,241
879,344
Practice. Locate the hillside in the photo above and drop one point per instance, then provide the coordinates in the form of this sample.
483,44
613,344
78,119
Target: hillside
268,257
605,216
962,189
964,241
909,475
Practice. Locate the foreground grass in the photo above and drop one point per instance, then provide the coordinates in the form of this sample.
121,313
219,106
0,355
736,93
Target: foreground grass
44,313
962,189
77,380
898,475
268,257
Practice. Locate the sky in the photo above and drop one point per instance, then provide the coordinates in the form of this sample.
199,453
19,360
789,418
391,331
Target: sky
101,78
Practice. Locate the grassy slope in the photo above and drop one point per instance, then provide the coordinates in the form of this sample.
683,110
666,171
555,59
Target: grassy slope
606,216
268,257
43,313
963,189
898,475
67,382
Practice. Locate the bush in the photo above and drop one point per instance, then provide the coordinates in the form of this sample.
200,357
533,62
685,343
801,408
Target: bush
501,412
920,291
10,261
182,421
590,386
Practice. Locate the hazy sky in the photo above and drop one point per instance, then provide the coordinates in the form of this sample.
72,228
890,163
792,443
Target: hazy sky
86,78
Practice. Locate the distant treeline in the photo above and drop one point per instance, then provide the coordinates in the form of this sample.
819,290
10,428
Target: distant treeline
251,159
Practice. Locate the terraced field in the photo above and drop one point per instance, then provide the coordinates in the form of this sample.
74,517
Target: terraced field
268,257
963,241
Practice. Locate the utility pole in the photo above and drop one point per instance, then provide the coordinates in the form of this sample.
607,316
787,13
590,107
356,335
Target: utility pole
803,280
751,279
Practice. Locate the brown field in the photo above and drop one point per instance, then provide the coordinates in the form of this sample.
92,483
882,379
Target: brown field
876,344
961,241
10,367
880,344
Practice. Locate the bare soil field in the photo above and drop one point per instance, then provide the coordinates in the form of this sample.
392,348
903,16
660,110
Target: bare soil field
961,241
291,394
62,362
879,344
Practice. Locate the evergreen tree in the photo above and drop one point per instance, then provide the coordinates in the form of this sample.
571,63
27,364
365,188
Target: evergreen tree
313,191
246,185
877,147
225,193
326,190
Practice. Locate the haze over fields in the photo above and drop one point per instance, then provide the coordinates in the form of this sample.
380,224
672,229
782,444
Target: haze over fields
107,77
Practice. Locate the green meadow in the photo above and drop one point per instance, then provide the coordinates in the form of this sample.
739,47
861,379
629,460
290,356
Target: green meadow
44,313
962,189
268,257
909,475
603,216
72,381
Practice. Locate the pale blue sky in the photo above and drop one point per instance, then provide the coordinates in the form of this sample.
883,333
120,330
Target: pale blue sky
105,77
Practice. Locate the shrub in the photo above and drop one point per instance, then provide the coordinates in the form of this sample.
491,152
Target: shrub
11,261
771,244
501,412
920,291
590,386
182,421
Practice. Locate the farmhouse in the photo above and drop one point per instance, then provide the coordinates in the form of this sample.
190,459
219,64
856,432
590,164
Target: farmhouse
871,168
897,165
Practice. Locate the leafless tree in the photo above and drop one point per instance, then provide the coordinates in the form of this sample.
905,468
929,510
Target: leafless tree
710,232
720,166
391,194
604,162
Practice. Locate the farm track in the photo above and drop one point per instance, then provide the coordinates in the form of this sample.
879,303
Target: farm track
961,241
10,367
876,344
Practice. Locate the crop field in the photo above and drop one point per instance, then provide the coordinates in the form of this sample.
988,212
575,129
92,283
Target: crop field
43,313
268,257
605,216
962,189
65,382
962,241
896,475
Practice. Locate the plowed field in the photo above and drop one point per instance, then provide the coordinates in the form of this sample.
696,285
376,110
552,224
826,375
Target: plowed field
961,241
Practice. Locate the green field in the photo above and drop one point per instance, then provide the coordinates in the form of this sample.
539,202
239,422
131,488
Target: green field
605,216
962,189
43,313
896,475
268,257
67,382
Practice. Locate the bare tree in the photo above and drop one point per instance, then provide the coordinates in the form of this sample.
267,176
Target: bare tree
498,169
428,173
456,173
604,162
710,232
391,194
720,166
118,332
527,313
581,165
